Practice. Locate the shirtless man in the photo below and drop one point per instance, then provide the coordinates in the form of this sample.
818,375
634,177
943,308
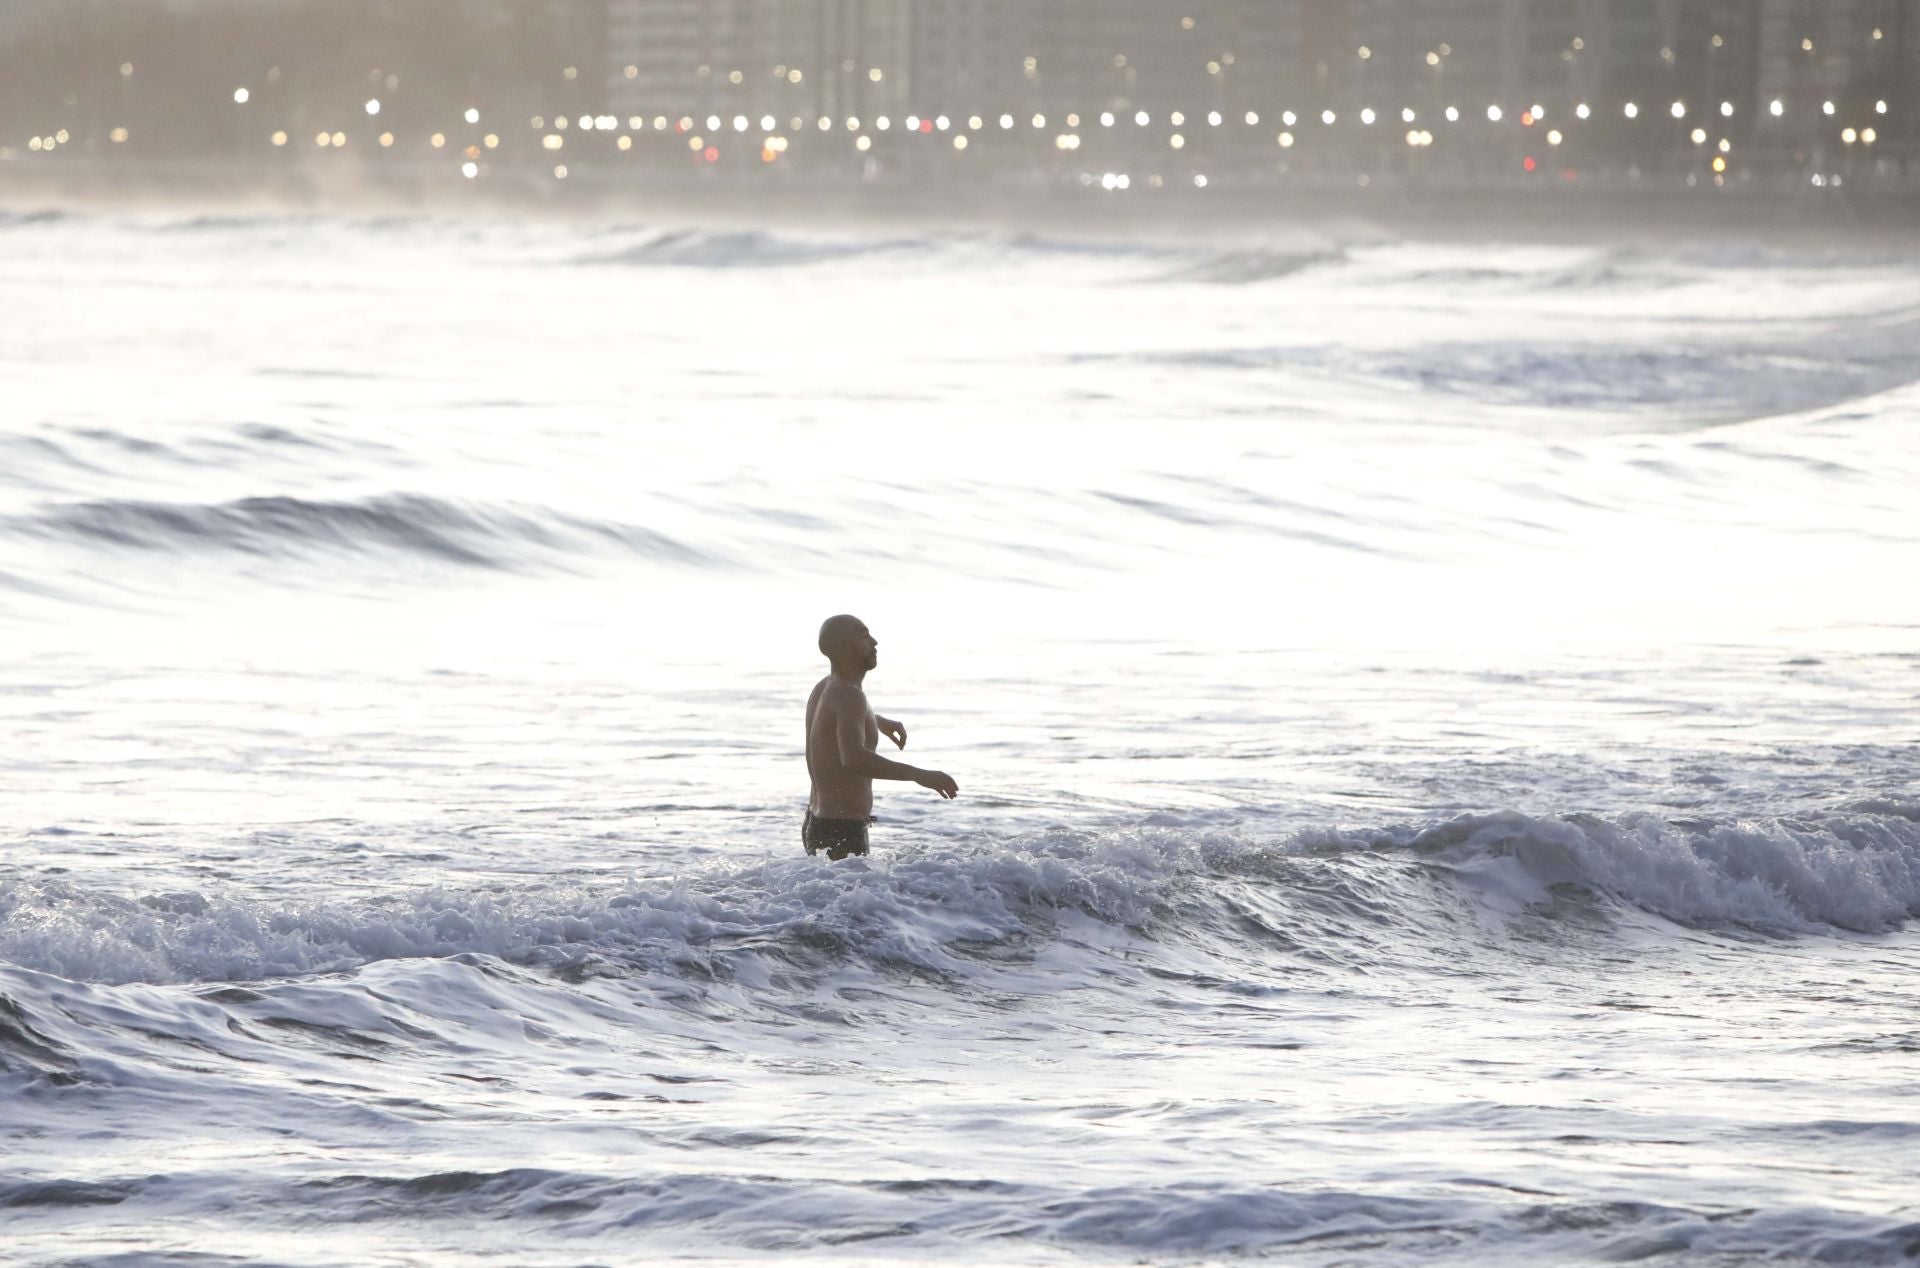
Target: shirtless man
842,734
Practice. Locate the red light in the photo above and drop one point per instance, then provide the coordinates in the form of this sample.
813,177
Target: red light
1526,120
1527,163
926,125
713,156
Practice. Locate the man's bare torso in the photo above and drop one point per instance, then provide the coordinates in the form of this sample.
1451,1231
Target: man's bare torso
837,792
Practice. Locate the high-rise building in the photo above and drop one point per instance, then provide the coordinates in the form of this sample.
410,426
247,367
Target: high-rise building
1430,55
786,58
1840,68
971,55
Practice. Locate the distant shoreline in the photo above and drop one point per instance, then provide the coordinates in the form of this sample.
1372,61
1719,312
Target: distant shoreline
1456,213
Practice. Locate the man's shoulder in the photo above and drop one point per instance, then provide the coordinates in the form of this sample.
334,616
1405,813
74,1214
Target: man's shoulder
839,691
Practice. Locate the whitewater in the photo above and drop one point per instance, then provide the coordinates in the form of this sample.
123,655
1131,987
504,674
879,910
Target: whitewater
1437,725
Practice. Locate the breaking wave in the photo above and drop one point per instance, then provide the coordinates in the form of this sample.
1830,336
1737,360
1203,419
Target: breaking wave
947,907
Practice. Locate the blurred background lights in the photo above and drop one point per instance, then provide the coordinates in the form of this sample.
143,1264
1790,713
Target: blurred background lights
240,96
373,106
1494,113
469,170
473,114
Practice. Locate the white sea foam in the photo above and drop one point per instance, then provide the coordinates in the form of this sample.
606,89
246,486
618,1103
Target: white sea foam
1855,871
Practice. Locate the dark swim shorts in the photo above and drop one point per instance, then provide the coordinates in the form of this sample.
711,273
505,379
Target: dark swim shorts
838,837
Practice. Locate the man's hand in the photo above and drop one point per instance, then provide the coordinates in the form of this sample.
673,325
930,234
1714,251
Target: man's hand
892,730
939,781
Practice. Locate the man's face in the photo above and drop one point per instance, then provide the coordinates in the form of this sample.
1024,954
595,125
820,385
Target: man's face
866,648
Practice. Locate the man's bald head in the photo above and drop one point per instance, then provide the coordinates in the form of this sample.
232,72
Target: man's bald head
846,641
837,634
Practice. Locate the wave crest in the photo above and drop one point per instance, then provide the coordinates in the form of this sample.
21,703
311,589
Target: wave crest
946,908
428,528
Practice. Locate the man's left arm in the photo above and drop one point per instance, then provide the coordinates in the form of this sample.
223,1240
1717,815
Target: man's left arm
895,731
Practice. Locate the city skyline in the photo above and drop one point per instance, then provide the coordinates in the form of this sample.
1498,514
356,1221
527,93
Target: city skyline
1720,91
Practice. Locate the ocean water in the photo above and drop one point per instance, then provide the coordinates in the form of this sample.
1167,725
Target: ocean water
1437,730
